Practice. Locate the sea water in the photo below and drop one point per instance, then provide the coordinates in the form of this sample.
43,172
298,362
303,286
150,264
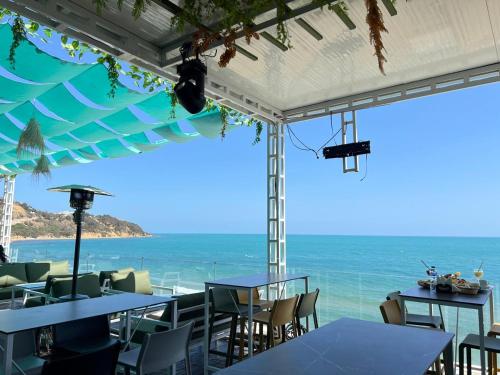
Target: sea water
354,273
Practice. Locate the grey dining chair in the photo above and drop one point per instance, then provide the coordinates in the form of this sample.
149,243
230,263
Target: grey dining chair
159,351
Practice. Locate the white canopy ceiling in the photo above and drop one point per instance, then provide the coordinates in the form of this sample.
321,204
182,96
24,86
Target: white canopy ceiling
426,39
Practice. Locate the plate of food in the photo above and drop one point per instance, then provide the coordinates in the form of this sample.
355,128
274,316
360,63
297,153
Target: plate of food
426,284
467,287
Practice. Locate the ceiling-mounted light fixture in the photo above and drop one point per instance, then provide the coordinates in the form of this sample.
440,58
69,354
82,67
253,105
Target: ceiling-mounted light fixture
190,89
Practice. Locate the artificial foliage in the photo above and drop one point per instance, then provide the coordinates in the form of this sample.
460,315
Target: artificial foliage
375,21
31,139
42,167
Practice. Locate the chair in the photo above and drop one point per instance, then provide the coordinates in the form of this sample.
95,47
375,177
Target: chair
102,362
391,313
24,353
83,336
307,307
418,319
494,332
159,351
264,304
282,313
225,301
105,276
132,282
471,341
87,284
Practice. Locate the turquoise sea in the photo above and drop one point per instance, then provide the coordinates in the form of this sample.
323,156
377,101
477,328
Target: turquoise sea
354,273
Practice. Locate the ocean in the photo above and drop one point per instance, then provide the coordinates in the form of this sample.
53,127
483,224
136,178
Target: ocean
354,273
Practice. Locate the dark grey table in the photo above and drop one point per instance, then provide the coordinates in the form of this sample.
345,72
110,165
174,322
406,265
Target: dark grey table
14,321
247,283
351,346
476,302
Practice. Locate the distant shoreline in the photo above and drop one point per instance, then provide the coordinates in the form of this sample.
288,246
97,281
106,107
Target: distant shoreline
46,238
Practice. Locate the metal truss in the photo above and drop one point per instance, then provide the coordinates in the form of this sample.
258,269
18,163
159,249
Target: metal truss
7,206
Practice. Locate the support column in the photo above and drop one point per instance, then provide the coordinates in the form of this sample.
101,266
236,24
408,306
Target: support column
276,228
7,206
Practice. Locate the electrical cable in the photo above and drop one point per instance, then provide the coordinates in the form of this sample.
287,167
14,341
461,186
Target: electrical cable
366,168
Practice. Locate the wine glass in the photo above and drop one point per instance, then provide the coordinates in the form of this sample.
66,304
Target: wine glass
478,274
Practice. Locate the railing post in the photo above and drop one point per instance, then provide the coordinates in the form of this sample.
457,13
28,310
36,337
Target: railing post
8,205
276,226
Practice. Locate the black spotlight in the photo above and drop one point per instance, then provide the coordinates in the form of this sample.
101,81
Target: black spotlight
190,90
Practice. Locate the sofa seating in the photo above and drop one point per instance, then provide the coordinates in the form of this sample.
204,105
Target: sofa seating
12,274
190,307
106,275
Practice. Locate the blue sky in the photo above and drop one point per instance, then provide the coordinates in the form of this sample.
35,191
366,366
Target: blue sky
434,170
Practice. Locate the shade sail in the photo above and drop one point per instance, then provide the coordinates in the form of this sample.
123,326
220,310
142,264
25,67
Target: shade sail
79,121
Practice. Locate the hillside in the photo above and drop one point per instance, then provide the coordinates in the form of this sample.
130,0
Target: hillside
30,223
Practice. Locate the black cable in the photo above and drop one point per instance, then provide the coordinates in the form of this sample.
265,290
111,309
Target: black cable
307,148
366,168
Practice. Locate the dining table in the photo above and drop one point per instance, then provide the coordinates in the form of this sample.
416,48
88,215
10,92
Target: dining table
354,347
14,321
475,302
247,284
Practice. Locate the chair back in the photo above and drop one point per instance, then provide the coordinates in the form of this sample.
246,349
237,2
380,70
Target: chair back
284,310
391,312
132,282
102,362
89,328
160,350
87,284
224,300
243,296
307,304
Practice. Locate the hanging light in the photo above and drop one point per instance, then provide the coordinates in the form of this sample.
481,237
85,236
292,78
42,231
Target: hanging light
81,199
190,89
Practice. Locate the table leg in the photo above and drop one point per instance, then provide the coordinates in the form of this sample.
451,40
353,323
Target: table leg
7,355
492,309
403,311
12,296
306,287
448,359
206,342
250,323
481,341
456,333
173,319
127,325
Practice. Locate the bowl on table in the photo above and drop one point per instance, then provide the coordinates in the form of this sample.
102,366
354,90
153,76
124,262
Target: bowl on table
426,284
469,288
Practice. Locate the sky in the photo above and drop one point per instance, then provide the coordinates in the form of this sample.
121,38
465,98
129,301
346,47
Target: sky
433,171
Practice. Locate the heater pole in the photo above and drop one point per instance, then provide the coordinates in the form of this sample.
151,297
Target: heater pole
77,218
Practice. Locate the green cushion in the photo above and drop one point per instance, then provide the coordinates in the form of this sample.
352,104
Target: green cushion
6,293
37,272
59,268
86,284
103,275
12,274
132,282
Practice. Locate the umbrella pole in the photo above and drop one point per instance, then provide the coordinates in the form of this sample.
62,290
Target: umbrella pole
77,218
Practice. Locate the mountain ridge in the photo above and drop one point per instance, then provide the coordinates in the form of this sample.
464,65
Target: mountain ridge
29,223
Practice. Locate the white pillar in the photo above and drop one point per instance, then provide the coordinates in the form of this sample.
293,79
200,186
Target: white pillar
8,205
276,228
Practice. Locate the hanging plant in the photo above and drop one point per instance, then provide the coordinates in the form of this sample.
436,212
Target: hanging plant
42,167
31,139
113,68
18,35
375,21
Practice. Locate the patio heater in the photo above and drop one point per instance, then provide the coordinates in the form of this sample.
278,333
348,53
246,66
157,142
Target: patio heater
81,199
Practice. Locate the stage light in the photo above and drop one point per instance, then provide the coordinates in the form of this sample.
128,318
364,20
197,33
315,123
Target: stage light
190,89
347,150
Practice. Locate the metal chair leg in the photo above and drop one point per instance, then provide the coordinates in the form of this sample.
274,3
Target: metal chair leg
469,361
461,360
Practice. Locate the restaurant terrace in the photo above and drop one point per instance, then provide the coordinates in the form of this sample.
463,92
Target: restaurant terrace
317,58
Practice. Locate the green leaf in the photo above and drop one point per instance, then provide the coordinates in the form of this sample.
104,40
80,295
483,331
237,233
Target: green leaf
48,33
64,39
75,44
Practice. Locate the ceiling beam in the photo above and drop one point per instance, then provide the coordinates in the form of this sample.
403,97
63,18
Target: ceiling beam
425,87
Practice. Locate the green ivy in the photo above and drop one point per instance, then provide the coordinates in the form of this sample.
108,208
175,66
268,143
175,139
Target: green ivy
113,67
18,35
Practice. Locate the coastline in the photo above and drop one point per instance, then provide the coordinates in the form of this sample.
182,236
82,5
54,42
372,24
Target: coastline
84,237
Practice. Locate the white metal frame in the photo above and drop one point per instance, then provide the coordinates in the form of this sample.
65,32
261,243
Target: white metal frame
7,207
276,226
345,125
411,90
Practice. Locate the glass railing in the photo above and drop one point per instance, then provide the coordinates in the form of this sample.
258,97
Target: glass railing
342,293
